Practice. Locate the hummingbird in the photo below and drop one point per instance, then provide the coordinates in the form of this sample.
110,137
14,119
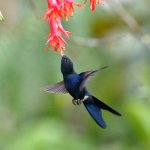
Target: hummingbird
75,84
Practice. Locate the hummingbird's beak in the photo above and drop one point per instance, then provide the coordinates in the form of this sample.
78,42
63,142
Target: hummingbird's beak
61,53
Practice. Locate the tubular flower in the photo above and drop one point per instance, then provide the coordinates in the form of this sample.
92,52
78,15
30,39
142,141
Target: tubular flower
54,15
60,28
56,42
54,38
69,9
93,3
56,9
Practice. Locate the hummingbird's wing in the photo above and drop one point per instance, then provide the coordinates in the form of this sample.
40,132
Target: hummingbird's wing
86,76
56,88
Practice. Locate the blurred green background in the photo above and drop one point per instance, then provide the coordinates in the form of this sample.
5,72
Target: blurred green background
117,35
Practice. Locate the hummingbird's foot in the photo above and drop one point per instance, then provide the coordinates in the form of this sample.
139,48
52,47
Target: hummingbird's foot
76,101
79,101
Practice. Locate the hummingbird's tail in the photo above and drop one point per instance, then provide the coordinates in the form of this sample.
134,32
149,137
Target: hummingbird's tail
94,107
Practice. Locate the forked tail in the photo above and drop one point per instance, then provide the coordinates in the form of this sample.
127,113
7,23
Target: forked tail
94,107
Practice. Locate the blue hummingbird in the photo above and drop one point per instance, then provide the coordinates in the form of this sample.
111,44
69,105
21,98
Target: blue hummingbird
75,84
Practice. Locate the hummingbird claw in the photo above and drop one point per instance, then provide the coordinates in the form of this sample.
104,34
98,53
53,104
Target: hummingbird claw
76,101
79,101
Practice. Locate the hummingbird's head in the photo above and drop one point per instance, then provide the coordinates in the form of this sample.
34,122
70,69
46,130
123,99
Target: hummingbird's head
66,65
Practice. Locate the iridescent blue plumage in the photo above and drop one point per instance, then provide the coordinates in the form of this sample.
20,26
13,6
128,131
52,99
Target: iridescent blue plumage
75,84
95,112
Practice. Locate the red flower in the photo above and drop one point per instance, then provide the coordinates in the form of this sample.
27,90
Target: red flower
54,9
60,28
54,15
54,38
56,42
93,3
69,9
